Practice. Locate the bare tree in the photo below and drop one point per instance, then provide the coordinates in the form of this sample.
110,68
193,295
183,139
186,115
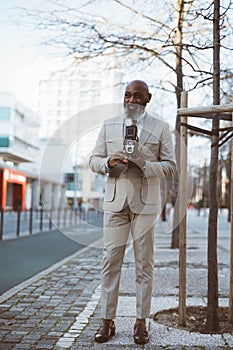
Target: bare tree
178,36
206,14
212,315
178,41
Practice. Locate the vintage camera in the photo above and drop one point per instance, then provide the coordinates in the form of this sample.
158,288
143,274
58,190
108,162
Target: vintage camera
131,141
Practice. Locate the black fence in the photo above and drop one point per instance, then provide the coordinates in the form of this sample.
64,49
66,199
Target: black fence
19,223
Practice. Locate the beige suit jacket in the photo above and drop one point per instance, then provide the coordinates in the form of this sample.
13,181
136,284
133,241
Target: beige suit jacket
140,192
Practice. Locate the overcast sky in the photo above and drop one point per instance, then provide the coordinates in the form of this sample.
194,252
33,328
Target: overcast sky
20,51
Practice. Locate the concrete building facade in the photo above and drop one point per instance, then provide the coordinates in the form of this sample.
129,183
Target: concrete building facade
20,149
68,94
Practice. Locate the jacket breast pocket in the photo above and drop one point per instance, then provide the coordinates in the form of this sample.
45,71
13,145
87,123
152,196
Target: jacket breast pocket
151,150
113,144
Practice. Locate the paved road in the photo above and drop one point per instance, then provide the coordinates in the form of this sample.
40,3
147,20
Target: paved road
60,308
26,256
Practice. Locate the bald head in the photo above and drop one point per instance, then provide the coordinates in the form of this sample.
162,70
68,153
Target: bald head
137,91
140,84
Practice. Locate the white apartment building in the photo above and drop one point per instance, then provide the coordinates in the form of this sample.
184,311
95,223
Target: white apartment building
68,93
19,141
20,157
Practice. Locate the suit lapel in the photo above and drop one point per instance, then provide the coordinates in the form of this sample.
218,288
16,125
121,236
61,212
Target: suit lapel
147,129
117,132
117,135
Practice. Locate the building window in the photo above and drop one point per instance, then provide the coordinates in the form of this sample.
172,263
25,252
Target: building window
69,181
5,113
4,141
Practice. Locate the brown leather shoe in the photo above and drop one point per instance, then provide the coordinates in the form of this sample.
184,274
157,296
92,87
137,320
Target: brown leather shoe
140,334
105,332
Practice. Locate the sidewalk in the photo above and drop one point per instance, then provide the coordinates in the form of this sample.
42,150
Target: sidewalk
60,307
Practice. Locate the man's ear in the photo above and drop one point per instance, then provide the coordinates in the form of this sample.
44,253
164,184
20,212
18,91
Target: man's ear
149,97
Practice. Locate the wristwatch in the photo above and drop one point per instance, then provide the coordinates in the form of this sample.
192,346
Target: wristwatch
107,165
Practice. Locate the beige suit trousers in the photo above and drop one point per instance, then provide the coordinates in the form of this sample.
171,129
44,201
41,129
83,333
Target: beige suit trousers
117,228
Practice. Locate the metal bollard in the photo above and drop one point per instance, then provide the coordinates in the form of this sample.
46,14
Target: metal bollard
41,219
51,219
1,223
64,222
18,221
30,221
71,216
58,216
76,216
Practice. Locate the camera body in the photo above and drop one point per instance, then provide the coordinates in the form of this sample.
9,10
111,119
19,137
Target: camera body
131,141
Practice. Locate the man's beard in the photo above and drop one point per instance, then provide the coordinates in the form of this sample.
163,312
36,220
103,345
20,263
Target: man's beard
133,111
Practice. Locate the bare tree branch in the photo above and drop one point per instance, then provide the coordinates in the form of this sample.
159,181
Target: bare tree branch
77,31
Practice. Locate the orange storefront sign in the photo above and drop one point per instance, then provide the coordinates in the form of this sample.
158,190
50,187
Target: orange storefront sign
19,180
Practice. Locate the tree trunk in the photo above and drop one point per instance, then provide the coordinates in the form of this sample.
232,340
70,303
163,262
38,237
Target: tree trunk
228,186
179,88
212,314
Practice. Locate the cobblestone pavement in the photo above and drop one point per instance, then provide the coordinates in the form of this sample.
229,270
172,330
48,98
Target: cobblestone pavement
40,314
60,307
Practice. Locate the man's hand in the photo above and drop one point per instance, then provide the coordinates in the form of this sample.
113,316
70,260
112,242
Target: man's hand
119,163
117,158
139,161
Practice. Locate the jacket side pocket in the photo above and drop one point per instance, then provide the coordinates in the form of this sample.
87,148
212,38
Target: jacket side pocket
110,190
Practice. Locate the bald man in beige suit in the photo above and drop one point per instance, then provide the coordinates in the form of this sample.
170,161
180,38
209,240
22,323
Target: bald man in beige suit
131,203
